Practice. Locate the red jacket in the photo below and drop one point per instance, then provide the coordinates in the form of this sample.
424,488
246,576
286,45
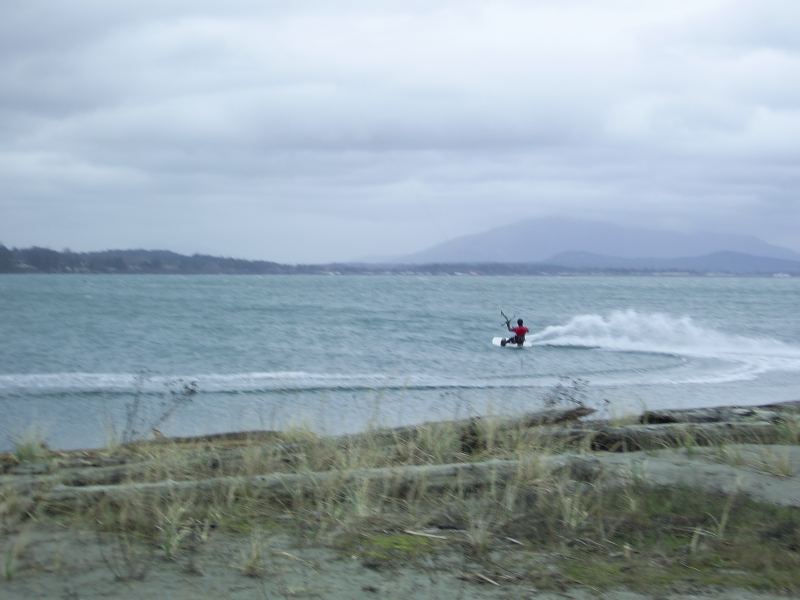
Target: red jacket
520,330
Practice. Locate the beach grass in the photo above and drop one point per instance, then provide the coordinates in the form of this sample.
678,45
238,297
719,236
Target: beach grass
30,446
525,507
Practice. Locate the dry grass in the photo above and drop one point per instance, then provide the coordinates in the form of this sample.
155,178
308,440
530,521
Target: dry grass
252,560
627,527
775,462
771,460
31,446
14,546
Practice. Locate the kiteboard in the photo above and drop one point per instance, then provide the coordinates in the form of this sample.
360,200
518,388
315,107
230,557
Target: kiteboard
498,341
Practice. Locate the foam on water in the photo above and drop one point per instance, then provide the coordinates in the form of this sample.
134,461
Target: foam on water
631,331
127,383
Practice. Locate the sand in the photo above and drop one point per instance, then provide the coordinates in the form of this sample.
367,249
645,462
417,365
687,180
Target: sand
51,556
75,565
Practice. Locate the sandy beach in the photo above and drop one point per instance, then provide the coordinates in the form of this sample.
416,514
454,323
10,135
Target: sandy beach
672,504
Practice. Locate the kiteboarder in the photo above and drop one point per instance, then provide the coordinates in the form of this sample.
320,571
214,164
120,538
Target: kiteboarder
519,333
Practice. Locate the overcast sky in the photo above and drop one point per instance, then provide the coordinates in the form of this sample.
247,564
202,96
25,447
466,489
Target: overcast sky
314,131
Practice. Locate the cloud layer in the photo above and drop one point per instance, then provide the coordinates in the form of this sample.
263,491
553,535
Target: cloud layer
311,131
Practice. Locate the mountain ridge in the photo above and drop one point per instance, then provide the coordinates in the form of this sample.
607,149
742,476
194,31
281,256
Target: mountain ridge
537,240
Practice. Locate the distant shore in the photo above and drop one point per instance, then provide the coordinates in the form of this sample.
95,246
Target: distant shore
163,262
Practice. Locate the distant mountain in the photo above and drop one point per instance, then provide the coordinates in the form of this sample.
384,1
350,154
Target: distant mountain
717,262
537,240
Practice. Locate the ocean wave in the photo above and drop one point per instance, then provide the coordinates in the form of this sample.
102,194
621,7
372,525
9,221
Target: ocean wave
277,381
125,384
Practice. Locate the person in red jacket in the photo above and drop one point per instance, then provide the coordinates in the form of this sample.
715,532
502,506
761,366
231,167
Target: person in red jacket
519,334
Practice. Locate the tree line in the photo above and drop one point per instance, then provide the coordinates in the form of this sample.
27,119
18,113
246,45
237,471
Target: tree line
45,260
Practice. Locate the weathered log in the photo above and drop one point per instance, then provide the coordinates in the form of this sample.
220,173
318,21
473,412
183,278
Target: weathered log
717,414
647,437
183,465
284,487
603,438
178,462
605,470
697,430
790,406
227,460
774,412
257,435
471,432
544,417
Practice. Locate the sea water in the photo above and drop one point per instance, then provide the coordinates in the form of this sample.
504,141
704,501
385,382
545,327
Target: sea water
86,358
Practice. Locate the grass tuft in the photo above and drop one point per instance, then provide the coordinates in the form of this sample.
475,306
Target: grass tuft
31,447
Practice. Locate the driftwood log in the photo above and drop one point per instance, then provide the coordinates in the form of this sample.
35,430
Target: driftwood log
210,459
631,438
718,414
605,470
470,431
284,487
693,429
548,429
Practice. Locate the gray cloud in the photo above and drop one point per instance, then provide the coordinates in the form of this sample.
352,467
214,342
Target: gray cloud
308,131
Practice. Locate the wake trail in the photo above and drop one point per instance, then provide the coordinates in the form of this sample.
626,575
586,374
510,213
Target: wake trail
659,333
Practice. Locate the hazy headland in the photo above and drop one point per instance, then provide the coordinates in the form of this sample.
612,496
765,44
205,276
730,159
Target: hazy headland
532,247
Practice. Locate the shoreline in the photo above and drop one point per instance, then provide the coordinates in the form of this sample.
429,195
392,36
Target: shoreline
629,410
